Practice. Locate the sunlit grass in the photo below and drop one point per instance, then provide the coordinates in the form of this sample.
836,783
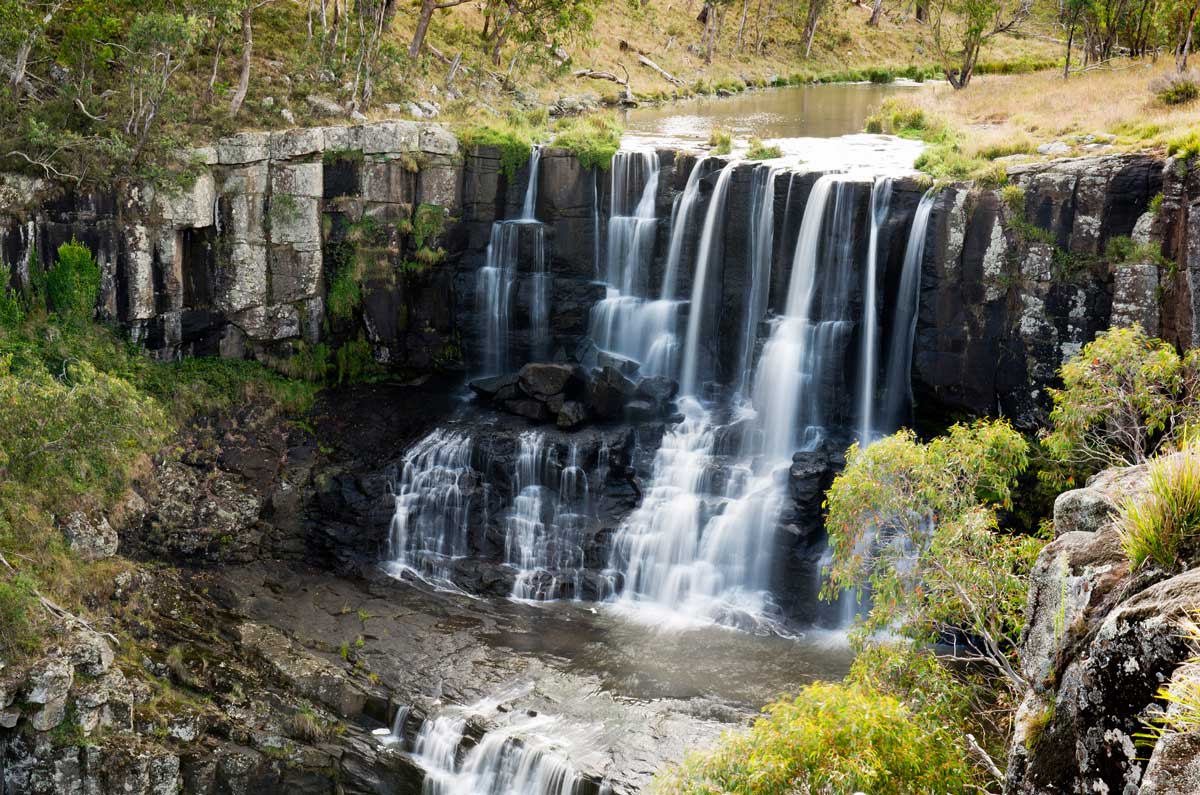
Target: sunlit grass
1159,526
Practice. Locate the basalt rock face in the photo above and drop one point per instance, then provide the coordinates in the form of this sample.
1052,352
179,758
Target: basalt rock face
1100,640
1016,281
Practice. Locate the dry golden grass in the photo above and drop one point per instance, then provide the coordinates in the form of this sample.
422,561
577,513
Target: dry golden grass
1001,112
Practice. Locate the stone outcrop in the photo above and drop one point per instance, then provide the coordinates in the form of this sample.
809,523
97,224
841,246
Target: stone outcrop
1015,281
1100,640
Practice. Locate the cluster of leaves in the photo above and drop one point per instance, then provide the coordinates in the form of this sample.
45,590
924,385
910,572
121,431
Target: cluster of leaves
760,151
1125,397
831,738
916,523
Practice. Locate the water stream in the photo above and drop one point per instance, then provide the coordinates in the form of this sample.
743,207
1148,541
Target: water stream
697,541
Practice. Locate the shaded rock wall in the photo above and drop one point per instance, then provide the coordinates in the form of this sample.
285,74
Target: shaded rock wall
1009,292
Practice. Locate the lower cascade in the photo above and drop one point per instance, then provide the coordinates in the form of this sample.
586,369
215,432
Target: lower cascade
519,754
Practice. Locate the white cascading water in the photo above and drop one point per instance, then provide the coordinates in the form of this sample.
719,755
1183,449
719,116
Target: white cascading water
707,249
897,385
881,195
760,256
545,530
496,281
430,525
682,212
627,321
518,759
698,551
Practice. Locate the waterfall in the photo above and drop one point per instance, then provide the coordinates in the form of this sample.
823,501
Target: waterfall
512,241
760,254
520,759
529,207
710,242
546,527
627,321
701,544
681,215
433,499
881,195
897,386
800,350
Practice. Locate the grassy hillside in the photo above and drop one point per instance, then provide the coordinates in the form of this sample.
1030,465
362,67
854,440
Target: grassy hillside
113,87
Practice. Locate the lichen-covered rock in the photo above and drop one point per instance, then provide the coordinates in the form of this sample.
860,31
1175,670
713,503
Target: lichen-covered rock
1098,644
91,538
311,675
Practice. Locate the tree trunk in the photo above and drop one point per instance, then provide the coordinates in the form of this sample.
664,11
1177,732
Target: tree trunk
427,9
810,29
1070,40
1182,59
742,25
875,10
243,86
710,31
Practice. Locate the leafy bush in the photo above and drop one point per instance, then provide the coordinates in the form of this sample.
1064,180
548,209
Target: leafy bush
915,522
12,309
830,738
760,151
721,142
1162,525
1124,397
1176,88
75,431
17,605
74,282
594,138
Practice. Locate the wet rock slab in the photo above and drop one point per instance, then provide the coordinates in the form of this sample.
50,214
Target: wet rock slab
641,698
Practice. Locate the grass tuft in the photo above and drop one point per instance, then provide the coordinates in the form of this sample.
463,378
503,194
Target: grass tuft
1160,527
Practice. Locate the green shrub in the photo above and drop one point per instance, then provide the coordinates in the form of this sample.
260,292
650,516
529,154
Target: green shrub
1124,397
830,738
17,605
77,431
593,138
1185,147
916,522
12,308
1162,525
760,151
721,142
1176,88
73,284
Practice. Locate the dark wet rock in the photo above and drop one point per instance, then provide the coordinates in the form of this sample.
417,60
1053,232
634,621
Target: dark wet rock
658,388
491,387
608,391
545,380
532,409
571,415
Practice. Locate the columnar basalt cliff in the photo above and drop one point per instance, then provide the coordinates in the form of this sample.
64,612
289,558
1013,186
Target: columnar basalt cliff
242,262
